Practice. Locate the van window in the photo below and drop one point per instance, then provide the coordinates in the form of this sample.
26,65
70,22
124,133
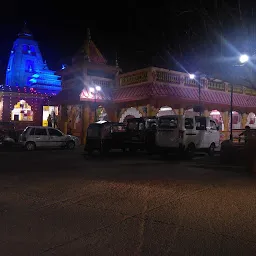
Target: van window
213,125
189,124
168,123
200,123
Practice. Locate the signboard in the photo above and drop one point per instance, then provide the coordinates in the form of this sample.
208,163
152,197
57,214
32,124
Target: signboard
134,78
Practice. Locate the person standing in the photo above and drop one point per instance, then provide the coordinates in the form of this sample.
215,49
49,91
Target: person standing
49,120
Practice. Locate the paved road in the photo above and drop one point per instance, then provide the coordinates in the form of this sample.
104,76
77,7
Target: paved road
62,203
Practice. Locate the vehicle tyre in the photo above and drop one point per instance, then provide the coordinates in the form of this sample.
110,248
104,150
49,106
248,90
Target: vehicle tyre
71,145
30,146
190,151
211,150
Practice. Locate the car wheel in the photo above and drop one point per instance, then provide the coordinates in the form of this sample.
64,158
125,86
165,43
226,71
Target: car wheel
211,150
71,145
30,146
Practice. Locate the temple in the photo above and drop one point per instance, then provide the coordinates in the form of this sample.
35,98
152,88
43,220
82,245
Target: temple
147,92
28,85
80,102
27,68
91,90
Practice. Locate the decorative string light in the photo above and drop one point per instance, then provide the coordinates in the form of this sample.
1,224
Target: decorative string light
2,103
10,102
32,104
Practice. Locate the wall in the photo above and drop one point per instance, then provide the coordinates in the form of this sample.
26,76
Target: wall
35,103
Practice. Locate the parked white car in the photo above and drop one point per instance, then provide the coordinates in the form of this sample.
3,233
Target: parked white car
46,137
187,134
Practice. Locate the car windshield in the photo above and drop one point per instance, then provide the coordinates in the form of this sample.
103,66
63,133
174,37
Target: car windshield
168,122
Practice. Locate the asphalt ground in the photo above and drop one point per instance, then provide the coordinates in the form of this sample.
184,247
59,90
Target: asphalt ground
58,202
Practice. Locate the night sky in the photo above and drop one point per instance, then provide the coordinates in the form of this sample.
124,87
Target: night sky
180,35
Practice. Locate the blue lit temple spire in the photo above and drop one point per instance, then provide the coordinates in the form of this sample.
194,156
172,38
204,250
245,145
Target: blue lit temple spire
26,67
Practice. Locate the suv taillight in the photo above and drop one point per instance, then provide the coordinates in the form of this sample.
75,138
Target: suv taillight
181,133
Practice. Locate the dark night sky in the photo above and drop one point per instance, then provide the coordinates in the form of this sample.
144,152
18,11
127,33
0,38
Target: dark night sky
185,31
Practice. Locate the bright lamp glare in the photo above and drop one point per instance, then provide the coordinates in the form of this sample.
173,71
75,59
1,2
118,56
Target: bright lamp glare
92,89
98,88
243,58
191,76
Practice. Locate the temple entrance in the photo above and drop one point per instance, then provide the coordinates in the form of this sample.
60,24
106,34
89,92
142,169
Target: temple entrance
251,120
236,120
22,112
216,116
165,111
50,113
130,113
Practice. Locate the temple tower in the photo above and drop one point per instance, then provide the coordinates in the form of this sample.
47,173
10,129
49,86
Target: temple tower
26,67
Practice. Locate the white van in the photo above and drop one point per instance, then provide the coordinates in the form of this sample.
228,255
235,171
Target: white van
187,134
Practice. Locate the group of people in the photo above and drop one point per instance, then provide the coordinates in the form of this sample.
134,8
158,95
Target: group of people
52,120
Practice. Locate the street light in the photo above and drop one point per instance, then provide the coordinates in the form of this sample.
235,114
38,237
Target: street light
95,90
192,76
244,58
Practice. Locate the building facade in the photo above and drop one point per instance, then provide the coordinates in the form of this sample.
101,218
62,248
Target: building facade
155,92
29,83
80,103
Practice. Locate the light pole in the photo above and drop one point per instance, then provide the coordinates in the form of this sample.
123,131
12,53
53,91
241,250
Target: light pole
192,77
243,59
95,90
231,112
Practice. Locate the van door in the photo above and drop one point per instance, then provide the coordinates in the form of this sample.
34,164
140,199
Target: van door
214,134
167,135
191,134
201,128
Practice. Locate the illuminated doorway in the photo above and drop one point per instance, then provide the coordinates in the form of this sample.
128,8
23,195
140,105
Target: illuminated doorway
22,112
53,112
217,117
236,120
251,120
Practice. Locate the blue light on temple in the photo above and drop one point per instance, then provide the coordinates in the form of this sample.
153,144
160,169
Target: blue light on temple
26,66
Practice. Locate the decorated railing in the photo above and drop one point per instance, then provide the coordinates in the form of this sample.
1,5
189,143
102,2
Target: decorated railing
136,77
158,75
